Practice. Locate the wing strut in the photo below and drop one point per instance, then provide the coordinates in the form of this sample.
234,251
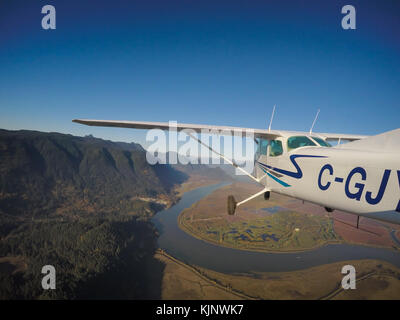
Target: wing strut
223,157
232,204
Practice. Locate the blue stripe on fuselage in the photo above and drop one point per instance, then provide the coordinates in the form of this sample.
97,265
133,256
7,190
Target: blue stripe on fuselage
276,179
297,174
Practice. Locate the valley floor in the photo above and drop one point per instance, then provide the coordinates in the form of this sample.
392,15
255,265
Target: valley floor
375,280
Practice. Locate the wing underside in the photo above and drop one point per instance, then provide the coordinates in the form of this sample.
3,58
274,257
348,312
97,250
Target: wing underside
198,128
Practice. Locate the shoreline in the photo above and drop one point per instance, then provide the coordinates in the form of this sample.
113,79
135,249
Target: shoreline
225,284
202,275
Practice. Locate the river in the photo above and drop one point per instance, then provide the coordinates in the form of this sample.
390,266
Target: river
198,252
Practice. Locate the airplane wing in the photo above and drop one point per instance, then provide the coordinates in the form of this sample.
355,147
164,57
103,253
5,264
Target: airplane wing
258,133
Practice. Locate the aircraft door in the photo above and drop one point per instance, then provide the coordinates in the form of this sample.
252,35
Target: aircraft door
261,156
275,151
268,152
262,150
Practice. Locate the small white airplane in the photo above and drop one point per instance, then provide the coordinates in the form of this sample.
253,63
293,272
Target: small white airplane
361,177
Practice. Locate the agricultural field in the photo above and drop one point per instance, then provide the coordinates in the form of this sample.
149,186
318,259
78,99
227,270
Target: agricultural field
288,230
258,225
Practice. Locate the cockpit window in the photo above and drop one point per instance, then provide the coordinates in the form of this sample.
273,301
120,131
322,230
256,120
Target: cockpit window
322,142
263,145
275,148
299,141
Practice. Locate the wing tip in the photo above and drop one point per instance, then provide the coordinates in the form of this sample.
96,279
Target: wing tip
81,121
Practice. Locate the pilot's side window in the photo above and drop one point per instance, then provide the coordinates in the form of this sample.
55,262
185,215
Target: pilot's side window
263,145
275,148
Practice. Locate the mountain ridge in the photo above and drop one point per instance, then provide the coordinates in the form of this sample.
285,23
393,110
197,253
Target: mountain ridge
46,172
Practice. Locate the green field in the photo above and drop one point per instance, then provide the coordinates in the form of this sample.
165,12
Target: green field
258,225
283,231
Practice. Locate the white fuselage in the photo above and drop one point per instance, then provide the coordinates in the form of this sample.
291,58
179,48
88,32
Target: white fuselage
355,181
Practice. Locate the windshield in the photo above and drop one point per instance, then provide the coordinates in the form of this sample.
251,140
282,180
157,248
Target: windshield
322,142
299,141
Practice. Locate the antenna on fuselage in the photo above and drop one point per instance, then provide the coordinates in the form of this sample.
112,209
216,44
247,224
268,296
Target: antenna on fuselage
315,120
272,117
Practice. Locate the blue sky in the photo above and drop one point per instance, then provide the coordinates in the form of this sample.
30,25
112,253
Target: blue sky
212,62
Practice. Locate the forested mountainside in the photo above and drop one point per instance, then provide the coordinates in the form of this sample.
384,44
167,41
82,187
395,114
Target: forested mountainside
82,205
48,173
